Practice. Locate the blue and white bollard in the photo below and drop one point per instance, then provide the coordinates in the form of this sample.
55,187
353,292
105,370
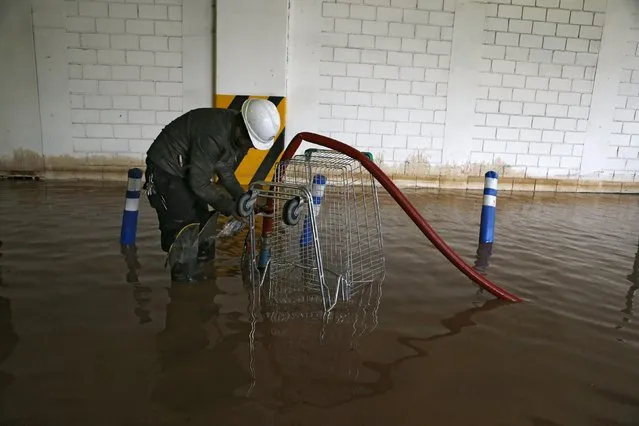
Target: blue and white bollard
131,207
265,252
487,227
317,191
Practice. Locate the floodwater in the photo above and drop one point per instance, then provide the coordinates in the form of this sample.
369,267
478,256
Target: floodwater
89,336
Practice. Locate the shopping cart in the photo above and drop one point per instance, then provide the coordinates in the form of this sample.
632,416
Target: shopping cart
325,239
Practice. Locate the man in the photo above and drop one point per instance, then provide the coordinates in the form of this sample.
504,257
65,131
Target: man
191,151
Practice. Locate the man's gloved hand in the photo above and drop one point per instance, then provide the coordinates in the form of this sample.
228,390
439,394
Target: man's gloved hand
226,206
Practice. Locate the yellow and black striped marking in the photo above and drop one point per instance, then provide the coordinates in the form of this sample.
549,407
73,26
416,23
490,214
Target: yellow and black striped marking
257,165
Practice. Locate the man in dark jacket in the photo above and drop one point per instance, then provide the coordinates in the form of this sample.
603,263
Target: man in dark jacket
194,149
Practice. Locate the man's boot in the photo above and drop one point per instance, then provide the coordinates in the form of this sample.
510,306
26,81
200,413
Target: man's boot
206,251
186,272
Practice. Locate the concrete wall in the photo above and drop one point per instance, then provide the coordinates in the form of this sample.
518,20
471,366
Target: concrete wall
541,89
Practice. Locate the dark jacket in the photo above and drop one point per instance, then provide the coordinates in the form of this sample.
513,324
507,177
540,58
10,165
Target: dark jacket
198,145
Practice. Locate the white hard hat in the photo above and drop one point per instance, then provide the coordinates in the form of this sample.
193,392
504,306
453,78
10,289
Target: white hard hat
262,122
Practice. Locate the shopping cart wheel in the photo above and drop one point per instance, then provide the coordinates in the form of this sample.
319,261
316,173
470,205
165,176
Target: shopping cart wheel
292,211
245,203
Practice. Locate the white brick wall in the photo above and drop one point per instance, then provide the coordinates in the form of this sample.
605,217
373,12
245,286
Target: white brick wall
384,79
540,69
125,69
623,146
385,70
384,74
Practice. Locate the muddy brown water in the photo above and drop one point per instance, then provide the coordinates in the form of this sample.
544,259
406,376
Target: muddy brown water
91,337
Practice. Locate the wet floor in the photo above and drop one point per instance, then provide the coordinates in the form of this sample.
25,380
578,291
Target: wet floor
89,336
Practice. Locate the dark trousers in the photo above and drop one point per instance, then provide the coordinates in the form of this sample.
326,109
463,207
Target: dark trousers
175,203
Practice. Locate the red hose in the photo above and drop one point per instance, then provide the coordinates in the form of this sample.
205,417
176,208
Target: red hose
401,199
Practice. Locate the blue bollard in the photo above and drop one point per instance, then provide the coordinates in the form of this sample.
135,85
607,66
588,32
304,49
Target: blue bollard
265,252
487,227
130,215
317,191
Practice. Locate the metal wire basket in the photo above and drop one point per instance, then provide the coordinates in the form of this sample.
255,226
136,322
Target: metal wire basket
326,239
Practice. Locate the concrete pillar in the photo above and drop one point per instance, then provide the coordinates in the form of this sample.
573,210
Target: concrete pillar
619,19
20,136
464,81
198,47
53,77
251,47
304,54
251,62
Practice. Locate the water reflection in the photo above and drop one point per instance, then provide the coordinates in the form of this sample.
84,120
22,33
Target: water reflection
634,275
484,251
8,337
8,341
318,364
286,355
627,311
314,357
1,267
197,351
454,324
141,294
537,421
